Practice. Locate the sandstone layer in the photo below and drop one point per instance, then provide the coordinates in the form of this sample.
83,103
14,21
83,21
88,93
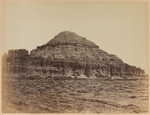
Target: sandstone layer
68,54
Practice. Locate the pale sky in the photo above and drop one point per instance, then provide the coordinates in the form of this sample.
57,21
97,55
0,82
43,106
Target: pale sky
119,28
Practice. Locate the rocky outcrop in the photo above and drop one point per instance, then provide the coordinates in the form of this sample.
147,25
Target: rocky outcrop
16,61
71,55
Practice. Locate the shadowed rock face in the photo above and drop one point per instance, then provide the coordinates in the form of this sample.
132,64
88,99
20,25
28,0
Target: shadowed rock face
70,55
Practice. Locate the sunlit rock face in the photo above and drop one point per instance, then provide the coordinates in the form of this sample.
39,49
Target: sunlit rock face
68,54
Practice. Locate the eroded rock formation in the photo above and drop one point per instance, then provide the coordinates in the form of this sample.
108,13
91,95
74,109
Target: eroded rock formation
68,54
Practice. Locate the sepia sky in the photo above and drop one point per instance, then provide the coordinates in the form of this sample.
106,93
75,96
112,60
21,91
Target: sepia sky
119,28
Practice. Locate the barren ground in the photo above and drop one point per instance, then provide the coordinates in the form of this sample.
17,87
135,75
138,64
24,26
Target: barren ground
43,95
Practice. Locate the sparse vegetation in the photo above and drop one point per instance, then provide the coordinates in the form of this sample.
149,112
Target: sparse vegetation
56,95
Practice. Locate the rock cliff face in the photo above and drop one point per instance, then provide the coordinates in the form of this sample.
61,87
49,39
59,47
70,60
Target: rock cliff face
15,61
68,54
